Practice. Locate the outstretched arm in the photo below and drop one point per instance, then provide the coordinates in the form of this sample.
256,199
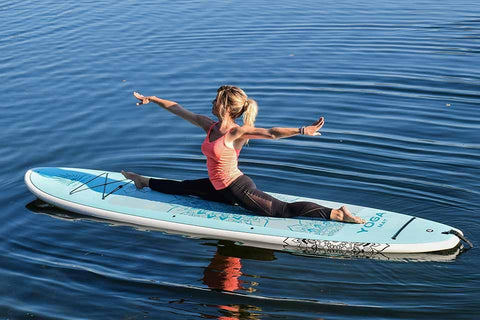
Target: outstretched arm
247,132
199,120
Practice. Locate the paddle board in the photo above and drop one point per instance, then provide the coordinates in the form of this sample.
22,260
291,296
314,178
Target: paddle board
108,195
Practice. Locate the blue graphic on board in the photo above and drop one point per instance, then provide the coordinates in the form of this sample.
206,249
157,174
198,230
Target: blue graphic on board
318,227
214,210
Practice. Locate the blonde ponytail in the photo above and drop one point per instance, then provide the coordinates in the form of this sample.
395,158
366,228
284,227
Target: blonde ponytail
250,113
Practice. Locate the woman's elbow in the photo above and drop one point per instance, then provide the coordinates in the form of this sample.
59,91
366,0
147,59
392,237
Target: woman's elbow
273,134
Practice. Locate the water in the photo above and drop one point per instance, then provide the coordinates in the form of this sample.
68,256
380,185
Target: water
398,85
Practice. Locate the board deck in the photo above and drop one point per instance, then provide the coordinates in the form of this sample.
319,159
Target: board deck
108,195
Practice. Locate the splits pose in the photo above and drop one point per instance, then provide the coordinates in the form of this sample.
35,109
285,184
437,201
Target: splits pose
222,145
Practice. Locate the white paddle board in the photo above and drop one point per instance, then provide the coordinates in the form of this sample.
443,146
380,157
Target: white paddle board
108,195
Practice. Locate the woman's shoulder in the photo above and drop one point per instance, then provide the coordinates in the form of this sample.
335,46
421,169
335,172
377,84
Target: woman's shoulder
205,122
239,130
244,127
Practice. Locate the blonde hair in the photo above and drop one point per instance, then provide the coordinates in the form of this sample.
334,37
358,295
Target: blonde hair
235,101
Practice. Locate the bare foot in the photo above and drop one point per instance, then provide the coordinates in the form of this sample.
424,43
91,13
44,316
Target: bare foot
140,181
344,215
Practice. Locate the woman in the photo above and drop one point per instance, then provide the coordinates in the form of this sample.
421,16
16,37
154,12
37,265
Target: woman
222,145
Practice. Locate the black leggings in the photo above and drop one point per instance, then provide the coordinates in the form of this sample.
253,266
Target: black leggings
243,192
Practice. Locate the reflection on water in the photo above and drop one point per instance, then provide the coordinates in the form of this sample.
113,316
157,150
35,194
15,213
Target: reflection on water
225,268
224,273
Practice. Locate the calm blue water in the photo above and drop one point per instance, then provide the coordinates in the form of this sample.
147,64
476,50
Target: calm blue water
398,83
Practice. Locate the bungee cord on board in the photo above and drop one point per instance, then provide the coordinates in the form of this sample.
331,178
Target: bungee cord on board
100,185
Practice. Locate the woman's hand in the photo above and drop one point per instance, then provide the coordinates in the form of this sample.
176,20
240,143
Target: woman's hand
312,130
143,99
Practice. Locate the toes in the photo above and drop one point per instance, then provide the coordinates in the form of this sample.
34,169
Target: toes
358,220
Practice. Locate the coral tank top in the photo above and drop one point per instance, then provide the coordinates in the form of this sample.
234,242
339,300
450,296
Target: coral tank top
222,161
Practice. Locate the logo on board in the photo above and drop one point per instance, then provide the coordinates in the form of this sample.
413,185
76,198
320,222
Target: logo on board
373,221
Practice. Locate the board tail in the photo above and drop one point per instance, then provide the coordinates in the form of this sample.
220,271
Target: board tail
460,236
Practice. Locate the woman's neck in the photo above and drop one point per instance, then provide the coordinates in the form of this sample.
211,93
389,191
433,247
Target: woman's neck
226,123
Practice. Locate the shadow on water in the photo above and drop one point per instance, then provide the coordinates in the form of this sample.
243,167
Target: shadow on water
256,251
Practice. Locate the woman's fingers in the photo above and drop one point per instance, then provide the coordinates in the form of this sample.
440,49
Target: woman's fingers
319,122
142,98
138,96
313,129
